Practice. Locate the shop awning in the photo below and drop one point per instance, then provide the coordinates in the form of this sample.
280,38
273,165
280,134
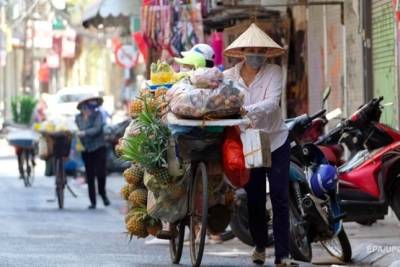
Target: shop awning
108,13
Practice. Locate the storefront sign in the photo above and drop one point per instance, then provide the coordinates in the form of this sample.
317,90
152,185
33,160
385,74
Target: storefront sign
68,44
126,56
42,34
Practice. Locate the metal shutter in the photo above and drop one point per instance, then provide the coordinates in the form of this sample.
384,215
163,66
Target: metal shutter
383,56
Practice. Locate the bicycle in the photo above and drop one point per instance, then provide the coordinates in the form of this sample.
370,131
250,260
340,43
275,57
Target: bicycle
196,149
25,142
61,144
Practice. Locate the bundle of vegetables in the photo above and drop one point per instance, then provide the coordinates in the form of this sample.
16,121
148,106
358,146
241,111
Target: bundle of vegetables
22,109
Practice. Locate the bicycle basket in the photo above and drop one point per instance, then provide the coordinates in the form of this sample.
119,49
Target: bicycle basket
61,144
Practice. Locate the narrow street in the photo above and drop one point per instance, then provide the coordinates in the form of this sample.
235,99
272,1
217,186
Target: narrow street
33,232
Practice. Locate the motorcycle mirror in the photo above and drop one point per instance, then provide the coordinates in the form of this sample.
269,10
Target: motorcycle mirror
333,114
326,95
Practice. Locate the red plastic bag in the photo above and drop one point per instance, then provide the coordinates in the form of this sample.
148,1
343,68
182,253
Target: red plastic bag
233,159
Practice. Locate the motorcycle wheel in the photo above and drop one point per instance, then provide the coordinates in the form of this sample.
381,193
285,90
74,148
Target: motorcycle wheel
339,247
300,246
395,199
240,225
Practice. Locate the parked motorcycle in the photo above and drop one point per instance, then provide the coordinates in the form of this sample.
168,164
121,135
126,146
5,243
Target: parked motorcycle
313,217
315,214
112,134
369,181
239,219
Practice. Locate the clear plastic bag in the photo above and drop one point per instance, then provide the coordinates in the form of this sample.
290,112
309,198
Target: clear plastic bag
206,78
169,204
222,102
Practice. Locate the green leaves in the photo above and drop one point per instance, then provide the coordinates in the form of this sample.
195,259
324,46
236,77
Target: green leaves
22,109
149,148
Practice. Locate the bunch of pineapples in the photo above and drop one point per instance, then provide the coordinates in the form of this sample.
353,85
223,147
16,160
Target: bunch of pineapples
149,148
138,222
149,101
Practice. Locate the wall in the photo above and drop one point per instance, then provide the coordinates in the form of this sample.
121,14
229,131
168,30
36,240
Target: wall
331,61
354,56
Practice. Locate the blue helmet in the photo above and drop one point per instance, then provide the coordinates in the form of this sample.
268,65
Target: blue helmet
324,180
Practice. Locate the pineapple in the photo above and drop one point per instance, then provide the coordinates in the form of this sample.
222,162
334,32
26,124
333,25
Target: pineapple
154,226
161,175
149,148
138,198
137,226
134,175
125,192
136,107
146,93
160,92
129,215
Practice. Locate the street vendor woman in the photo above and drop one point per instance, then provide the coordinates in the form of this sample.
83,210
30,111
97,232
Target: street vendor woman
263,83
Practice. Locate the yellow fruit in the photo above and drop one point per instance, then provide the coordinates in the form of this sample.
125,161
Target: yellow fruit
138,198
134,175
136,107
137,226
160,92
146,93
125,192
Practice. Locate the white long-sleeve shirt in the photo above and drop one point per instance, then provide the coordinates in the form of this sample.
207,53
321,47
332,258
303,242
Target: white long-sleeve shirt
262,101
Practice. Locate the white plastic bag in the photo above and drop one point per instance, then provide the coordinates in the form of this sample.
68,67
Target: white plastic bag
256,148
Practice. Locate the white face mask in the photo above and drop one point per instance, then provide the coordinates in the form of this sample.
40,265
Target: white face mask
255,60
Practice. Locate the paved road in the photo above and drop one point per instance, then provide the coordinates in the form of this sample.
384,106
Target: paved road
33,232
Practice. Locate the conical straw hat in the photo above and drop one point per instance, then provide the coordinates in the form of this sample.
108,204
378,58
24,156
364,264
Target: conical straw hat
253,37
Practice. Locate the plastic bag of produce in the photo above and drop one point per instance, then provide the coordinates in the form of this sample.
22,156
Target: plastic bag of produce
222,102
169,204
206,78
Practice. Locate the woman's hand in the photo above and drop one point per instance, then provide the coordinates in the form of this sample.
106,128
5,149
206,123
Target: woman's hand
243,111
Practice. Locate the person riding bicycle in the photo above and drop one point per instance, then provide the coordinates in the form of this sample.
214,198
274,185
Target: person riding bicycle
90,124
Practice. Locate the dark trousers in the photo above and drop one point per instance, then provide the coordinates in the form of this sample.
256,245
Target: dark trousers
95,165
278,177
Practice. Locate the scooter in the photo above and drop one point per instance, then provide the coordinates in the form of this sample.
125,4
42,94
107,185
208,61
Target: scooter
112,134
369,181
312,218
310,132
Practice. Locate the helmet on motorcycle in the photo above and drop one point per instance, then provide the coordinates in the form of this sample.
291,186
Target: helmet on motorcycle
323,180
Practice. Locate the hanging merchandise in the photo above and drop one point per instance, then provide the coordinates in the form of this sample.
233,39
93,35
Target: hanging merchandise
171,27
141,44
217,42
187,27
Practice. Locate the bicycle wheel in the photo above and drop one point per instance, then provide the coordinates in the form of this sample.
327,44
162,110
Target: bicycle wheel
176,244
198,213
60,182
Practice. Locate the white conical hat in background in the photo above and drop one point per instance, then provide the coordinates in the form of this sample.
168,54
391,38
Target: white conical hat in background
253,37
